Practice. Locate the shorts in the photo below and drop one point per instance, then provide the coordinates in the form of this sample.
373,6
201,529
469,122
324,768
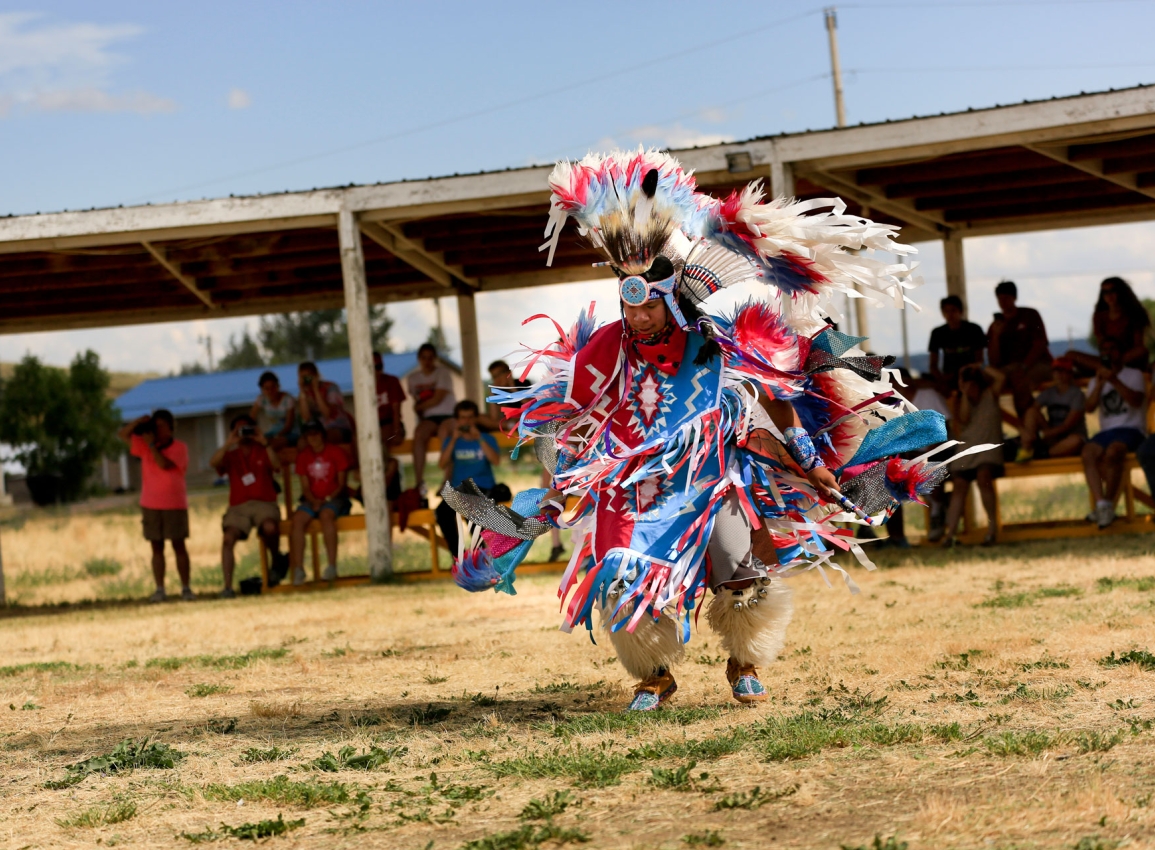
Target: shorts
436,420
164,525
997,471
246,516
1130,437
340,506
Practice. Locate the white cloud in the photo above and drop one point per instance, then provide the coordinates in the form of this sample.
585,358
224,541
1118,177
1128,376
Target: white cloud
675,136
95,100
239,99
66,67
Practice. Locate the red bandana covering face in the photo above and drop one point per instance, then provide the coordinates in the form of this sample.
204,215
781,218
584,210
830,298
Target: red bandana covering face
664,350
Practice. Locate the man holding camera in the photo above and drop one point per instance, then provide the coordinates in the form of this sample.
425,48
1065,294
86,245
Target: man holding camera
163,496
466,453
249,462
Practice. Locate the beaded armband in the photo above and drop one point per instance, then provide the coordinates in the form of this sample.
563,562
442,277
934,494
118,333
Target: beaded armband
801,449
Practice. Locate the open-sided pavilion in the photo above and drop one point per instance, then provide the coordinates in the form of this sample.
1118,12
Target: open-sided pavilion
1066,162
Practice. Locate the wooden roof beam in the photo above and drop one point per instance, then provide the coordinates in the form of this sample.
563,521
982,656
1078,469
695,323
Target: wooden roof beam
1135,146
390,236
174,269
1086,206
1094,167
1049,174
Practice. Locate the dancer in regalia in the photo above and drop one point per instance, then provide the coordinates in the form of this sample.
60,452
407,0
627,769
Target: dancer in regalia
680,438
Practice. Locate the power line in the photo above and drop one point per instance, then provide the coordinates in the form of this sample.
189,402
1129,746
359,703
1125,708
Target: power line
478,113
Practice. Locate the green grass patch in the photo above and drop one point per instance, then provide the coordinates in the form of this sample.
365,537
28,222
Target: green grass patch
755,798
1141,583
246,831
1141,658
681,779
1044,664
709,838
255,755
528,837
1028,597
129,755
692,748
891,843
1030,743
98,567
39,667
431,715
619,721
568,687
347,758
589,768
115,812
1098,742
219,662
204,689
1024,693
809,732
281,789
546,809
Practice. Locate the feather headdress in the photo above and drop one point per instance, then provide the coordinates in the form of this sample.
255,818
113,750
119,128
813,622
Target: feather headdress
636,206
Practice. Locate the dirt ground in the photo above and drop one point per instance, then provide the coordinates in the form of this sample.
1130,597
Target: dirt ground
980,698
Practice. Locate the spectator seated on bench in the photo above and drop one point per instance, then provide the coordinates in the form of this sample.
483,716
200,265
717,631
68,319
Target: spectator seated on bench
1061,407
1120,391
977,420
323,468
466,453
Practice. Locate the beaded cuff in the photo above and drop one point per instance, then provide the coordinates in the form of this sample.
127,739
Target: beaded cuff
801,449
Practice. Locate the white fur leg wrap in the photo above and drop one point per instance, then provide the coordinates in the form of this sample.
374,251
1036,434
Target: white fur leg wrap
752,622
654,645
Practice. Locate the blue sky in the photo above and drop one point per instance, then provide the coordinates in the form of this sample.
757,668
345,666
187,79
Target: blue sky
124,102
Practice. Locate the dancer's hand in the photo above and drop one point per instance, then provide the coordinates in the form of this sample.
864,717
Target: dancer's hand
823,480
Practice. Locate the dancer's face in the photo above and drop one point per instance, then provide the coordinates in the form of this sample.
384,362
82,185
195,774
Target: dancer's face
648,318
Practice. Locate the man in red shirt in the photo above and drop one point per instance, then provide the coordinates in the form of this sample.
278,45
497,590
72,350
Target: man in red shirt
163,497
249,463
322,468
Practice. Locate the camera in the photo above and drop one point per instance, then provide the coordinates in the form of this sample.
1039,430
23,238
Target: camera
306,379
142,428
248,431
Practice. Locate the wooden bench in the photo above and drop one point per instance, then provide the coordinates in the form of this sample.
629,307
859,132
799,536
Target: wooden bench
1128,523
422,521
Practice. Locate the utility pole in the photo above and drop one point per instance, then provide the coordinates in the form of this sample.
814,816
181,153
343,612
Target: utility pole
835,65
207,342
862,327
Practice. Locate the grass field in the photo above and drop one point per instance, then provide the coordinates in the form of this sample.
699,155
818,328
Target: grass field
983,698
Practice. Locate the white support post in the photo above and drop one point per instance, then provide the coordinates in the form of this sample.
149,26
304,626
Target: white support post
470,348
125,484
956,275
3,598
781,178
372,462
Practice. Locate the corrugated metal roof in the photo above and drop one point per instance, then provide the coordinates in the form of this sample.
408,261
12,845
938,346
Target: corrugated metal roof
197,395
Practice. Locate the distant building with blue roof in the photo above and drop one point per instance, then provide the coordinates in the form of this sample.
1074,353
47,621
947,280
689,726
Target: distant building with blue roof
203,404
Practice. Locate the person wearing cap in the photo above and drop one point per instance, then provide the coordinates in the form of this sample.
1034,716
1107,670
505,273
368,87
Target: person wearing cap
322,468
1017,340
1056,423
1119,392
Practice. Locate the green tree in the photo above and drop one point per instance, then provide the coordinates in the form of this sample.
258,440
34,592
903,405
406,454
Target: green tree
59,423
316,335
243,353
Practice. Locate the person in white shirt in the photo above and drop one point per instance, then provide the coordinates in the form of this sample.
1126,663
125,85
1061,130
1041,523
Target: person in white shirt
431,387
1121,392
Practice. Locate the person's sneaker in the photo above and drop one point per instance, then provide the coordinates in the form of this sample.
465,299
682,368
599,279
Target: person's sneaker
744,683
330,573
227,593
298,576
1104,513
556,552
651,693
158,595
1024,455
187,595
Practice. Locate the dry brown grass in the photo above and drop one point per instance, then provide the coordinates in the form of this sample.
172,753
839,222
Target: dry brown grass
363,668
